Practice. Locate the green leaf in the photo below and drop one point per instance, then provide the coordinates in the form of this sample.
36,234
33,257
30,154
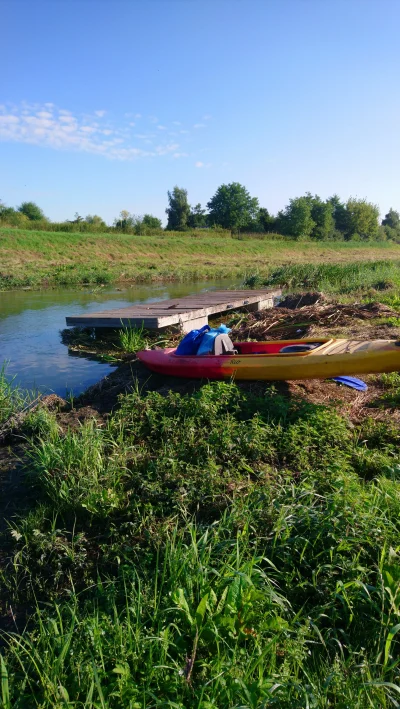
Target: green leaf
181,602
121,670
201,610
5,689
389,639
222,600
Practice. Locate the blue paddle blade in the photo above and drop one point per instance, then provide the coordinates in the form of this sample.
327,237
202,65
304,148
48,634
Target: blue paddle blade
352,382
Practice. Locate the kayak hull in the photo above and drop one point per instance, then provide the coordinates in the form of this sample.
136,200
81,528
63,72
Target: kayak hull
263,361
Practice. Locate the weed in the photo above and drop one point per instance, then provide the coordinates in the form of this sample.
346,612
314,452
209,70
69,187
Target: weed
218,549
132,339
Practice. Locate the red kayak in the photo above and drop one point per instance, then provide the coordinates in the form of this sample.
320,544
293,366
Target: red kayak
283,359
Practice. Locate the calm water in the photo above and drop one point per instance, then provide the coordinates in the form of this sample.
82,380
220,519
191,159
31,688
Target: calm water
30,324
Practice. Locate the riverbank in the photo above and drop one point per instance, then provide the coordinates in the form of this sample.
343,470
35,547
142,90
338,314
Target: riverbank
36,259
181,543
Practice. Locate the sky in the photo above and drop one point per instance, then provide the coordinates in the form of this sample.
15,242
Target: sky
105,105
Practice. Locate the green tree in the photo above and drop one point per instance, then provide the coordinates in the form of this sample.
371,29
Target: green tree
126,220
232,207
32,211
322,215
362,218
197,217
9,215
296,219
178,210
151,222
392,219
340,215
95,220
266,221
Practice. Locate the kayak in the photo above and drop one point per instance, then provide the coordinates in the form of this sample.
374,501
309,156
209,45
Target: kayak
280,359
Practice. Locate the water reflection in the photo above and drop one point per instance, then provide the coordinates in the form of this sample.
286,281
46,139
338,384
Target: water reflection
30,324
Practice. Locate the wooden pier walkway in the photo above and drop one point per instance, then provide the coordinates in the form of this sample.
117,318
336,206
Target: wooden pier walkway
187,313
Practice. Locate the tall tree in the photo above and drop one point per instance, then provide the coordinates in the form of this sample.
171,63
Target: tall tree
178,210
322,215
232,207
296,219
32,211
392,219
126,220
265,219
197,217
340,214
362,218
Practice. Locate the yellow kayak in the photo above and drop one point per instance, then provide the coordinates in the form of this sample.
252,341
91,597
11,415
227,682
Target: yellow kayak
281,359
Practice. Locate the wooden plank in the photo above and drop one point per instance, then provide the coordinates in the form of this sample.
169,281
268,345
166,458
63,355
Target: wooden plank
174,311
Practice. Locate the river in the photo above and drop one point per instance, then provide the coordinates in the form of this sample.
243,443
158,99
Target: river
31,321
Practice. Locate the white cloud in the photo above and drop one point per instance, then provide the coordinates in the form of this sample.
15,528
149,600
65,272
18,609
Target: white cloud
176,123
207,117
199,125
132,125
162,127
47,126
183,132
180,155
199,164
137,115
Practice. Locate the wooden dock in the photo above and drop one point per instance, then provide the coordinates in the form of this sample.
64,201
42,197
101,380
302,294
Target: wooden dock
187,313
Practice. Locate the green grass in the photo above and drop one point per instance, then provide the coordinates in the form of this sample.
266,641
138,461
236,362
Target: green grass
332,277
226,548
12,400
32,258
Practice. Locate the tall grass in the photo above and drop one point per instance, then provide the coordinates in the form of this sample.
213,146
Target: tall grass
219,549
35,257
332,277
12,399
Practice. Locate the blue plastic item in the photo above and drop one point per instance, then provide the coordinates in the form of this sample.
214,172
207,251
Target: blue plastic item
352,382
207,341
191,341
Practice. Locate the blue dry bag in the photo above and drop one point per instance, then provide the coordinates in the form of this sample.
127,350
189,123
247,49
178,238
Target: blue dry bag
207,341
191,341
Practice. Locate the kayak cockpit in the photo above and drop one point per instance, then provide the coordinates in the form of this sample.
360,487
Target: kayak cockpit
280,347
273,348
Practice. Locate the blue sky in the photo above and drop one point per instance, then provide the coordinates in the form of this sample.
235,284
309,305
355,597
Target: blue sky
107,104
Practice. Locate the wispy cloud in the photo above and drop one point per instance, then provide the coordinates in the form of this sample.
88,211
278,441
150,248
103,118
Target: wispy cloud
199,164
162,127
199,125
180,155
207,117
58,128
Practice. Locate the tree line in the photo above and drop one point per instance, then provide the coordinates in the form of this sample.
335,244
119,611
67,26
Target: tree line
233,208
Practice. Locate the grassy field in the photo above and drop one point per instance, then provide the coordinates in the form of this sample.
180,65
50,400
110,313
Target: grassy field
205,545
40,258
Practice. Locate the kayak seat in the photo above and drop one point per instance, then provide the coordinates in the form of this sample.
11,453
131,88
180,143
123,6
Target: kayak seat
297,349
223,345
